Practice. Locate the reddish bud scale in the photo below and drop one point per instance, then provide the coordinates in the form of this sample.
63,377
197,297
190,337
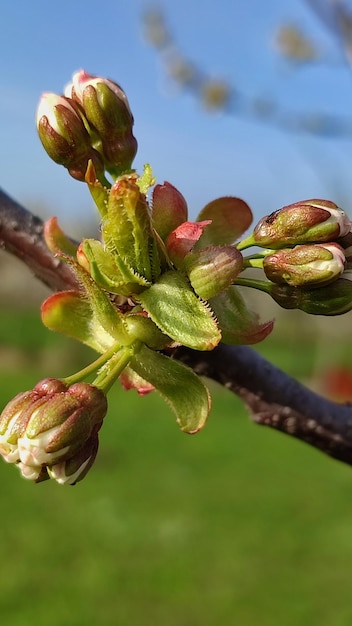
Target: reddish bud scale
169,209
183,239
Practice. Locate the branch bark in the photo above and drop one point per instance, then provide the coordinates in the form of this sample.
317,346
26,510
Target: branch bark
21,234
272,398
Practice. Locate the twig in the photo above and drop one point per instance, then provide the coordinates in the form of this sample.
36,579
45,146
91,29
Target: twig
21,234
273,398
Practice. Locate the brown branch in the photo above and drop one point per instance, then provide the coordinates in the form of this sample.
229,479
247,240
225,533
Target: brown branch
21,234
273,398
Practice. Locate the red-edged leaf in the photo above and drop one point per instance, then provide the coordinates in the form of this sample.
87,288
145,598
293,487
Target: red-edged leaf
238,324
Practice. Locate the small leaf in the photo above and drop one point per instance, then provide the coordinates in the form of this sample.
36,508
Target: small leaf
176,310
238,324
57,241
68,313
109,270
99,193
104,312
180,387
230,217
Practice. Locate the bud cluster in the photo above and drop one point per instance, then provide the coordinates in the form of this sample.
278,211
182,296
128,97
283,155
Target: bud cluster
91,122
307,257
51,431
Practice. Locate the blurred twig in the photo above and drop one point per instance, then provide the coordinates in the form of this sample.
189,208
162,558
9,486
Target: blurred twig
218,95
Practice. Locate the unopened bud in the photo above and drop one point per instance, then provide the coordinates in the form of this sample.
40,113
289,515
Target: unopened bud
106,108
49,425
309,221
74,469
64,136
333,299
313,264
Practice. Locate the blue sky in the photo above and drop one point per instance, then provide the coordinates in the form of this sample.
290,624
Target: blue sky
204,155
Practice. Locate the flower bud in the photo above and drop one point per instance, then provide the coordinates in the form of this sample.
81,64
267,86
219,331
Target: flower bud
64,136
74,469
313,264
14,418
310,221
49,424
333,299
106,108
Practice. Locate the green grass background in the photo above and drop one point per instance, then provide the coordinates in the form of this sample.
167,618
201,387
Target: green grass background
237,525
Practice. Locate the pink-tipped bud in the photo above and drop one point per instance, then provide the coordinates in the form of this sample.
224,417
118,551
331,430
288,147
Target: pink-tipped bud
49,425
313,264
309,221
64,136
107,109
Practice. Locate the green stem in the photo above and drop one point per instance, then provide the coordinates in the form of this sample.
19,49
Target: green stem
112,369
262,285
246,243
93,367
252,262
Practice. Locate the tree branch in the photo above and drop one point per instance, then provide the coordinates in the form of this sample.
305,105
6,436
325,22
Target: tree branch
273,398
21,234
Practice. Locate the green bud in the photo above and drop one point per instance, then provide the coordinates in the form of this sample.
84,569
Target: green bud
106,108
313,264
64,136
333,299
309,221
213,269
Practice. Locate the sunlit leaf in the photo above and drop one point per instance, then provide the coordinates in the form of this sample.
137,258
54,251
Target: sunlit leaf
176,310
182,389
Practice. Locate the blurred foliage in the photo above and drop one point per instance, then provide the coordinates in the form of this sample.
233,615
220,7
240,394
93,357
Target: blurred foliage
237,524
